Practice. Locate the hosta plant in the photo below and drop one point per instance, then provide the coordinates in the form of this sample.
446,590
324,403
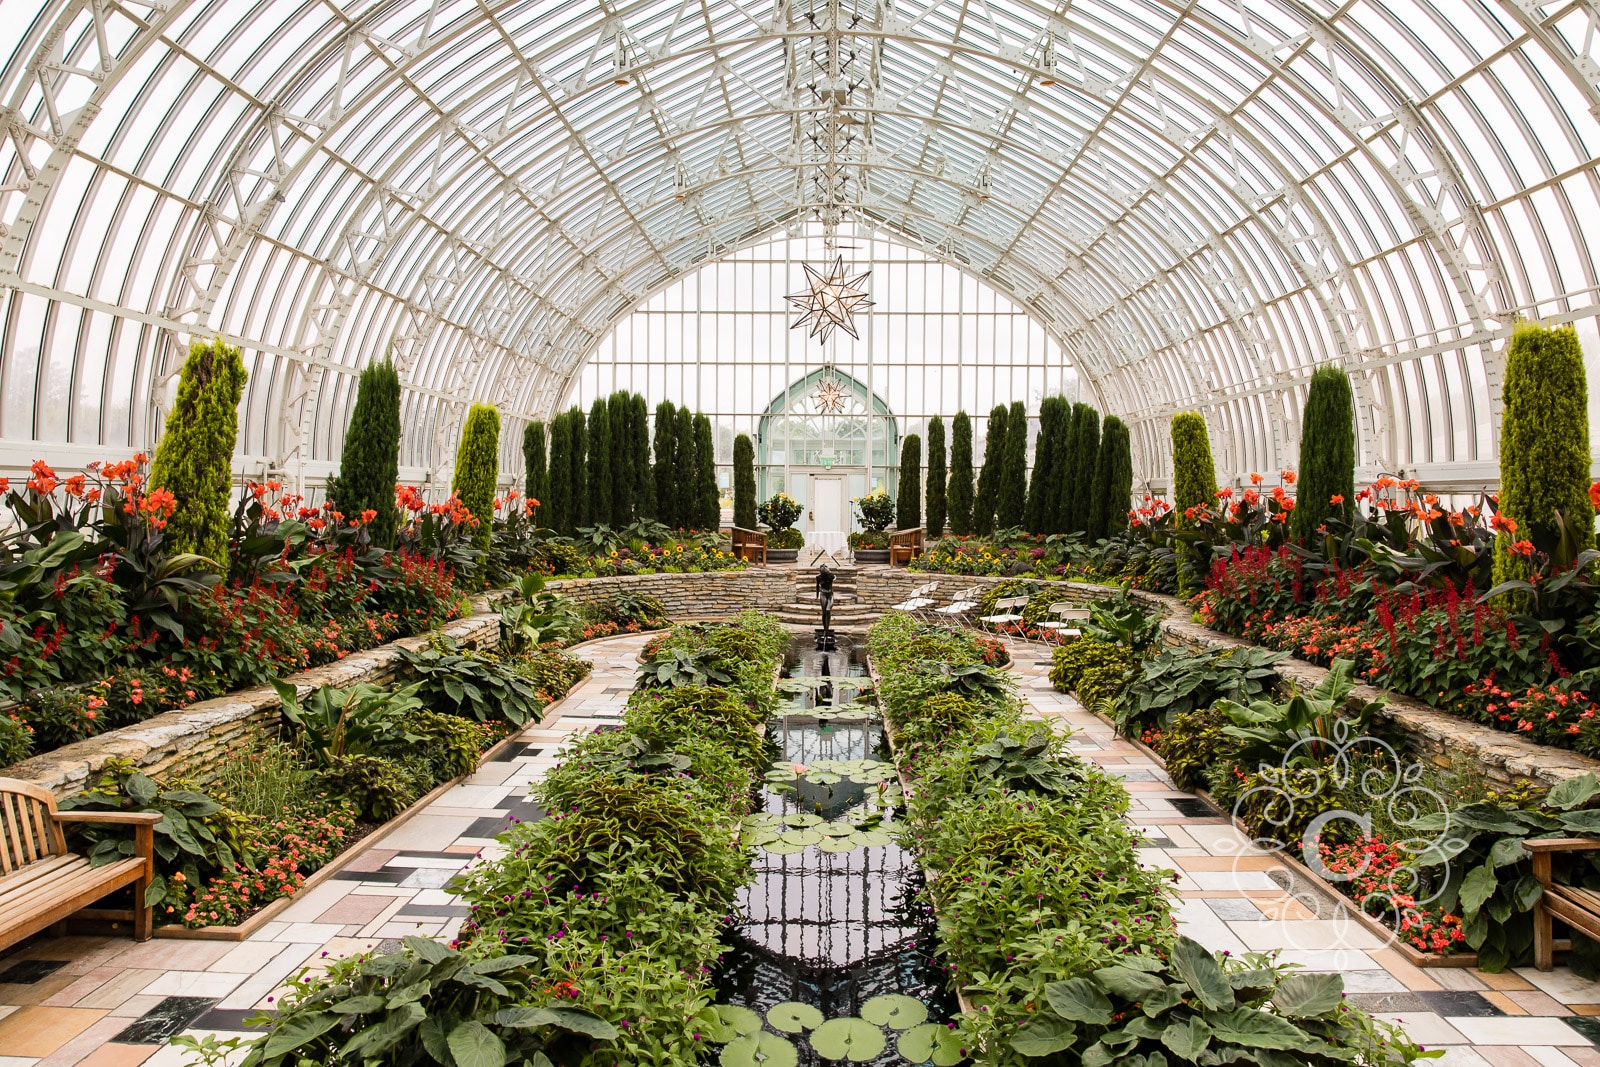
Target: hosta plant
462,681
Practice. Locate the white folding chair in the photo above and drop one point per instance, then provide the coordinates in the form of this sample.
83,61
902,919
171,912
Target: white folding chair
1006,612
1065,624
963,602
918,599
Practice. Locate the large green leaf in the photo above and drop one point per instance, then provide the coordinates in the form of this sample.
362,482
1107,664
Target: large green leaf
1128,983
760,1050
1573,792
1044,1035
1581,822
1199,968
375,1040
1301,996
1506,851
848,1038
1257,1029
298,1031
931,1042
792,1017
894,1011
1478,887
1079,1000
429,949
1187,1039
475,1045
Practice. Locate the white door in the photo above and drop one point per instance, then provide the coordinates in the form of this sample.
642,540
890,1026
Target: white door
827,503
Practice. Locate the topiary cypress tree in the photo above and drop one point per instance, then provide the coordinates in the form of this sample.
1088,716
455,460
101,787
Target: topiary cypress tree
744,482
478,469
1113,481
959,495
934,493
994,446
1066,465
556,509
536,470
369,467
708,497
908,502
1327,452
599,429
666,463
1011,496
580,512
194,460
1194,483
644,479
1085,457
1039,516
1544,450
618,409
686,468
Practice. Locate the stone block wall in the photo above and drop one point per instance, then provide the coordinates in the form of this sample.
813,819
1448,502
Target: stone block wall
708,595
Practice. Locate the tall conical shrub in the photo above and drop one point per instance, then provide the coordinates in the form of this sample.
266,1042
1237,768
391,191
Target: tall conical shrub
369,466
960,492
1544,450
478,469
618,410
644,478
934,493
1085,456
582,513
1327,452
994,447
1194,483
708,498
666,468
536,470
194,459
1040,514
1113,481
744,482
686,460
1066,465
908,501
555,510
600,462
1012,492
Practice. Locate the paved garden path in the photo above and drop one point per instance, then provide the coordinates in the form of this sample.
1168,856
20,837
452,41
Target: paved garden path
110,1002
1237,898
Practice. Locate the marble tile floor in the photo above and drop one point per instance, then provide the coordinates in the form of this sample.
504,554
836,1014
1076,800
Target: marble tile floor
110,1002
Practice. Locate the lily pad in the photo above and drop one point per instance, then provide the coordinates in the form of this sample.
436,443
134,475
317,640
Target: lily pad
743,1020
838,844
801,837
757,838
824,778
848,1038
780,776
872,839
781,847
802,819
930,1043
895,1011
836,829
759,1050
792,1017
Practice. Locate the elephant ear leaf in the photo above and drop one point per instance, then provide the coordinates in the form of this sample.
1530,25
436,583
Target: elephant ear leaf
1573,792
1078,1000
1044,1035
1258,1030
1477,888
1302,996
1199,969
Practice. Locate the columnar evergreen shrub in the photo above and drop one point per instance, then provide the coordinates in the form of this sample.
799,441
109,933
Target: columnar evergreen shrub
618,408
536,470
556,509
1011,493
994,447
1085,457
908,502
1066,464
1327,451
744,482
194,460
581,513
478,469
1039,516
960,492
369,467
685,512
1113,481
1194,484
644,479
600,461
1544,449
708,499
666,468
934,493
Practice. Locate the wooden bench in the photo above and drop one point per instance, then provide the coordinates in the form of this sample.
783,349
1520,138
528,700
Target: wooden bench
41,883
904,545
1579,908
748,545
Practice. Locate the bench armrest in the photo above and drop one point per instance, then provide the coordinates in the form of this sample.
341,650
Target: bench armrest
123,818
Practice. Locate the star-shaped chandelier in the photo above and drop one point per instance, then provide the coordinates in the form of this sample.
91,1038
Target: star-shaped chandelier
830,395
831,300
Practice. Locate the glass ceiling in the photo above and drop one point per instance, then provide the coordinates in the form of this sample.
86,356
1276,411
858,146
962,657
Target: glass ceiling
1198,201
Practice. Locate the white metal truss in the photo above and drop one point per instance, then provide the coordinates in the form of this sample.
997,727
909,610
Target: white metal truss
1201,200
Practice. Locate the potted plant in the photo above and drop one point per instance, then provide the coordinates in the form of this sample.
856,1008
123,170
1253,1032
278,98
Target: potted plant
783,541
875,513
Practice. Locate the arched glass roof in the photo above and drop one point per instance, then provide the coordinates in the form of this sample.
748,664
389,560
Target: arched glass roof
1199,200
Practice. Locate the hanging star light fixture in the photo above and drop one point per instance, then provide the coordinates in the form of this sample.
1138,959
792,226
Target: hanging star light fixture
830,395
830,300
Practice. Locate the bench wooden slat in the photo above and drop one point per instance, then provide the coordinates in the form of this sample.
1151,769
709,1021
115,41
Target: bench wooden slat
48,902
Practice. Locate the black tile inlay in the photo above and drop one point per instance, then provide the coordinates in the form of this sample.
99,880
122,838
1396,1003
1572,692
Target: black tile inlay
432,911
1193,807
1157,842
494,825
27,972
515,749
169,1017
227,1019
1388,1002
1459,1002
393,876
1587,1025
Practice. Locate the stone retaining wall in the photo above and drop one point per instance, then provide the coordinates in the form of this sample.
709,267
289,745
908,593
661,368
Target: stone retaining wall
707,595
192,741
